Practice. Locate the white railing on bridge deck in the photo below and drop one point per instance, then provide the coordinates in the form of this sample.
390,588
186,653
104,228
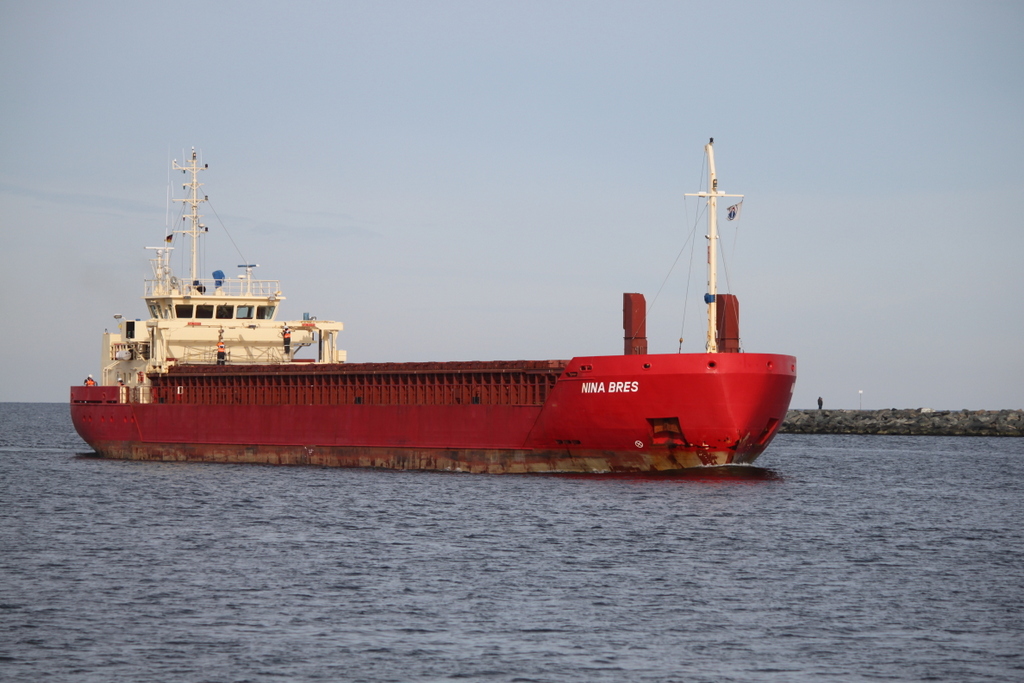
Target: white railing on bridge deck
208,287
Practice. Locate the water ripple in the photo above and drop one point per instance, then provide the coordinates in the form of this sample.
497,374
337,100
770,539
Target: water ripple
843,557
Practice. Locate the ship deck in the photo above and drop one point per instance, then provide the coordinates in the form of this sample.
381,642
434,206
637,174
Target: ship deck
520,382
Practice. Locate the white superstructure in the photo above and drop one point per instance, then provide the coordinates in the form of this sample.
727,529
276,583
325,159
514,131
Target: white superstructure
189,318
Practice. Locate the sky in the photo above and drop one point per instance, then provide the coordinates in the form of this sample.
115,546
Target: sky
483,180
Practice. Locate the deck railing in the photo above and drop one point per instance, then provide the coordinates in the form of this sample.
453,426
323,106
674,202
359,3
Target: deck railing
211,287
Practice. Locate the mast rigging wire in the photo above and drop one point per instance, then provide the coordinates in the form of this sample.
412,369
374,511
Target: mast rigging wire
667,276
700,211
692,236
225,228
181,216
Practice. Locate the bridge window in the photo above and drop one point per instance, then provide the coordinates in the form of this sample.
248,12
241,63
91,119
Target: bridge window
204,311
244,312
265,312
183,311
224,312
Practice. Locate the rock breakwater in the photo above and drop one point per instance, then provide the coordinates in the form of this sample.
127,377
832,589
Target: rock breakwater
921,421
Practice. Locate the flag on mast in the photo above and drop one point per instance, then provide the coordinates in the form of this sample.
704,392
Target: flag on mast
733,212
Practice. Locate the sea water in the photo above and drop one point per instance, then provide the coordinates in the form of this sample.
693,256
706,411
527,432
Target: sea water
846,558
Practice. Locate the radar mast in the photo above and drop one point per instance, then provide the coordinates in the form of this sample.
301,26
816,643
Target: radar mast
193,200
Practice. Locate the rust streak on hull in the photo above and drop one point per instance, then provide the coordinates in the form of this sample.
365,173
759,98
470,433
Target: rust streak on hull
476,461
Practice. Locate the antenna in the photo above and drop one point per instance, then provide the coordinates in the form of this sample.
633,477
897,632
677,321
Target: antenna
167,215
248,275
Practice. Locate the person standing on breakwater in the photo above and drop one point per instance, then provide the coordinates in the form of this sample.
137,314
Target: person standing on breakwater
820,403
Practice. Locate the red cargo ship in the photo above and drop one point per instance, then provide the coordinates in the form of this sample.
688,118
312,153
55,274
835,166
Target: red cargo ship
211,376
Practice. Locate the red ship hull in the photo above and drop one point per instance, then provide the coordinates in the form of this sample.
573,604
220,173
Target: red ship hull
602,414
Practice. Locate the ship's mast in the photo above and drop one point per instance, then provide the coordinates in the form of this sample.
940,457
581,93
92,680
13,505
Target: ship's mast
712,195
194,200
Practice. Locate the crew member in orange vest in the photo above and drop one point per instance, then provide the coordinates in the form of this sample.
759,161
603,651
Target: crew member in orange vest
221,355
287,334
89,381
